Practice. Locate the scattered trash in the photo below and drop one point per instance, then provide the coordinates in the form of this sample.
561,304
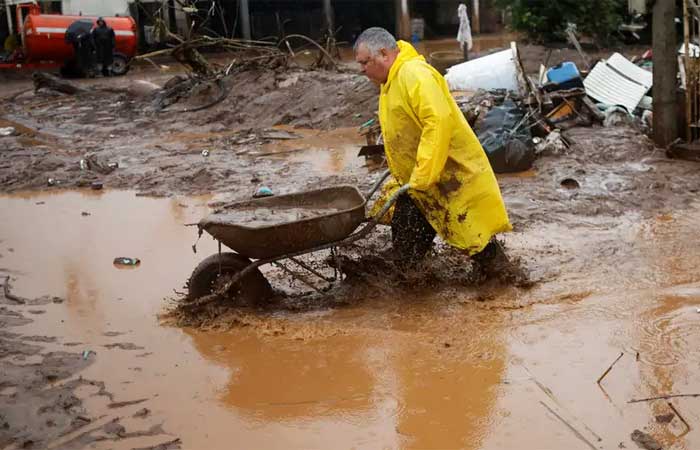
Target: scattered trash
96,185
371,151
616,116
553,144
563,76
371,131
571,36
263,191
205,153
569,183
505,139
84,164
124,261
645,441
84,213
7,131
113,165
53,182
694,50
495,71
665,418
87,353
40,203
618,81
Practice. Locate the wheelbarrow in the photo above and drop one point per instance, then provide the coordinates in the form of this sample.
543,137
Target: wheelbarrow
328,221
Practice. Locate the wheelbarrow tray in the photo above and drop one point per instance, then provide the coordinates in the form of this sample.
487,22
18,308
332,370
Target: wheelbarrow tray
270,241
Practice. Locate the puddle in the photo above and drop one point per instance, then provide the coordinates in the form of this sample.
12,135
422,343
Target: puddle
421,369
481,43
327,152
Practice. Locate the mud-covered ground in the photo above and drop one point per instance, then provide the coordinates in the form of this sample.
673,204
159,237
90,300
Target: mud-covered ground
386,359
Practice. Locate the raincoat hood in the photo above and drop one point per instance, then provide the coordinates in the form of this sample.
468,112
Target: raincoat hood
406,53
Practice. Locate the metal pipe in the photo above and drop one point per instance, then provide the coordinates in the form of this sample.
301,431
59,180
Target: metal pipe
312,270
296,276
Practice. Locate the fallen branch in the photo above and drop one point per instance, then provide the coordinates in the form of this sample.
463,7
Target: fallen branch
687,425
609,368
571,427
311,41
662,397
548,392
43,79
10,296
223,93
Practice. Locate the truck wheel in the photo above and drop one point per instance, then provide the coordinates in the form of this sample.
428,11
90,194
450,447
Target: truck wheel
213,271
120,65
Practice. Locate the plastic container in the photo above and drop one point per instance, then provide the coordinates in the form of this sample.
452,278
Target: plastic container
494,71
563,72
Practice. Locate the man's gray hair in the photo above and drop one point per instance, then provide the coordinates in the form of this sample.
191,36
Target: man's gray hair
375,39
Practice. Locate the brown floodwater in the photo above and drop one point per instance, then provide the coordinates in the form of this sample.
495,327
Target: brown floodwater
404,368
329,151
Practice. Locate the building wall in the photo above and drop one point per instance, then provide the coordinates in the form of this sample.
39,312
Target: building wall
96,7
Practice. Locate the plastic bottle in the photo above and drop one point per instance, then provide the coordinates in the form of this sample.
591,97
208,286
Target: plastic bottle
124,261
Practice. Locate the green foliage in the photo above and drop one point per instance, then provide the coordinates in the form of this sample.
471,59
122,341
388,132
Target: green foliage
546,20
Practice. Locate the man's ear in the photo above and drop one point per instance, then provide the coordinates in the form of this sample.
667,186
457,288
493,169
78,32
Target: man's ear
383,52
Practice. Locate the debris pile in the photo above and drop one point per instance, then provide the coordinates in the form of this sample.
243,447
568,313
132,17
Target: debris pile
517,117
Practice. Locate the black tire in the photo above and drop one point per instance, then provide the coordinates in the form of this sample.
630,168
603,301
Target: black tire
252,288
120,64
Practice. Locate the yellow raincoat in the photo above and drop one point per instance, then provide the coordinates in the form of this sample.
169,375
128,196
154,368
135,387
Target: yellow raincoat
430,145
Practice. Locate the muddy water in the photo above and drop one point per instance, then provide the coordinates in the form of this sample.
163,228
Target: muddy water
332,151
401,369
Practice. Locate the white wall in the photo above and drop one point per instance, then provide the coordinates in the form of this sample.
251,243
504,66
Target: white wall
96,7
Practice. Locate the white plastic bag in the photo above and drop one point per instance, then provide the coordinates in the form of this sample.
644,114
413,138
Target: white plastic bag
464,35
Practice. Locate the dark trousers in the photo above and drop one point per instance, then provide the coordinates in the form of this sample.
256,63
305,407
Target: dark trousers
105,56
411,233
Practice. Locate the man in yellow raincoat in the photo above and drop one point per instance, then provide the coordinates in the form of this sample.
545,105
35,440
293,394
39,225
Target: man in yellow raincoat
430,146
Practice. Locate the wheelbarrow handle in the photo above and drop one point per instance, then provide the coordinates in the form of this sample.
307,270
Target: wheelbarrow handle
390,202
377,184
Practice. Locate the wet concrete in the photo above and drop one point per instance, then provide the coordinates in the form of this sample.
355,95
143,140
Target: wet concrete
486,368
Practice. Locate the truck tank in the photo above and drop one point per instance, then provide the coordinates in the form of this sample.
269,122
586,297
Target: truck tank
44,36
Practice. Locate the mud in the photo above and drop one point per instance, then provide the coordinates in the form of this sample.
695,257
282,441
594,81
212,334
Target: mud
385,359
266,217
42,393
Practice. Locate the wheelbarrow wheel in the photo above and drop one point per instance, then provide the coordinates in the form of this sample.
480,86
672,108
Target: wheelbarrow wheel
215,270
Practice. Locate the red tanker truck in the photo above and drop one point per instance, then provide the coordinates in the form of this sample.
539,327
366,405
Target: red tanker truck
43,43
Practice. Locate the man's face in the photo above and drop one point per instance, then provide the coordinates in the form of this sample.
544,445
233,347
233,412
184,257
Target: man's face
375,67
